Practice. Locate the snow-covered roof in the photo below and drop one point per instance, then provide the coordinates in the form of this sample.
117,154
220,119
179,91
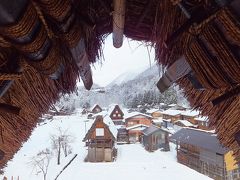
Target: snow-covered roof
158,120
102,113
137,127
111,107
108,121
120,126
150,130
186,123
94,106
201,139
201,118
172,112
170,130
167,120
191,113
172,105
132,114
150,111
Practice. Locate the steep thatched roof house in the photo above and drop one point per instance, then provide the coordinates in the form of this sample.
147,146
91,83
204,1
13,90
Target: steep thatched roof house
116,114
96,109
100,140
46,44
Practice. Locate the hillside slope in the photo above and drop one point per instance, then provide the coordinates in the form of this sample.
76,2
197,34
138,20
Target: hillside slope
125,90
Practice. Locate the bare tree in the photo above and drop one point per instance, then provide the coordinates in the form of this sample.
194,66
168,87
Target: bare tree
61,141
41,161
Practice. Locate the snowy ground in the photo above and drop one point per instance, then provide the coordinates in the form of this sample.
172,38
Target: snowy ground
132,161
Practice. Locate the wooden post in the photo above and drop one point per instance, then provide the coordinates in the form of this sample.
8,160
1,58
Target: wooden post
118,22
177,70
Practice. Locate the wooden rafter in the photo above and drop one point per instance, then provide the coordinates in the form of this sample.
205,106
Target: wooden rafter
118,22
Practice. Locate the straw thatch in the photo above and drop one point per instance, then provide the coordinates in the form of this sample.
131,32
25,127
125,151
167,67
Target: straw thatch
209,41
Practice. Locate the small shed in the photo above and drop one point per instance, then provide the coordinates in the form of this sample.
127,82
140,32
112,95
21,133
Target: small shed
122,136
155,138
100,140
84,111
96,109
90,116
116,114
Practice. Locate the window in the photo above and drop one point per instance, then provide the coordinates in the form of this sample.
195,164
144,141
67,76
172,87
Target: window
119,115
116,111
99,131
130,123
114,115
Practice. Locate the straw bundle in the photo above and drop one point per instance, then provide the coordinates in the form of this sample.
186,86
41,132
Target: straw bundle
40,41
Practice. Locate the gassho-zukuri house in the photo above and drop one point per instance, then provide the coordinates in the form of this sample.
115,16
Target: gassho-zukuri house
46,45
100,140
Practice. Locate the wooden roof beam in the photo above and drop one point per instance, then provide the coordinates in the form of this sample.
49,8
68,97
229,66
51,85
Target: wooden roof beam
177,70
118,22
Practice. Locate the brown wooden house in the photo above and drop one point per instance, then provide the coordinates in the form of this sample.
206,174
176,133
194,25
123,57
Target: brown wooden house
177,107
135,132
172,114
155,113
201,151
138,118
100,140
96,109
202,122
190,115
179,124
116,114
135,123
155,138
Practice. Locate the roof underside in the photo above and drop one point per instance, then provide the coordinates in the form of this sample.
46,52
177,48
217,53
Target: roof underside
209,42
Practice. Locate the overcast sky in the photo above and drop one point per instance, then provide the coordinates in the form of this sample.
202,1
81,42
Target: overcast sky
131,57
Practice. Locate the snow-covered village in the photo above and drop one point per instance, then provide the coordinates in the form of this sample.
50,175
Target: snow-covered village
119,89
115,142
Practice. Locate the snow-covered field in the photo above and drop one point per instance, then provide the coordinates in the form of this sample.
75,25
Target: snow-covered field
132,160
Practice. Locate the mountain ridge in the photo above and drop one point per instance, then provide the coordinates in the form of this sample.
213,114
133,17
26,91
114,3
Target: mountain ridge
126,92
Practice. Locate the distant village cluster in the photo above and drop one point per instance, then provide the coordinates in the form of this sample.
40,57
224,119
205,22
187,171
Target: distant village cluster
196,143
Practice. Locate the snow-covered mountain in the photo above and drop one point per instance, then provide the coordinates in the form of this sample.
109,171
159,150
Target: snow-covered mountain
125,89
123,78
